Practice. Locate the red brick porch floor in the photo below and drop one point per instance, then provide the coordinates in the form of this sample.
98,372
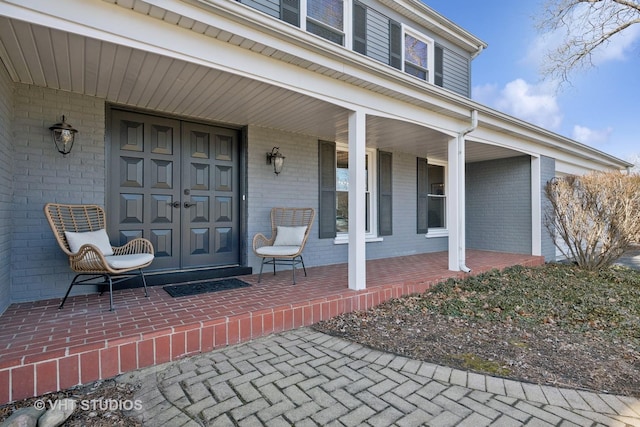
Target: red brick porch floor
44,349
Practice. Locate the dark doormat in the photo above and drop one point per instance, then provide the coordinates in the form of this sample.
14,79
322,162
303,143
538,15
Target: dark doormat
186,289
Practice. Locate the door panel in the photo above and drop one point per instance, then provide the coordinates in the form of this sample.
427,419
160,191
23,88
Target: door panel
210,183
174,183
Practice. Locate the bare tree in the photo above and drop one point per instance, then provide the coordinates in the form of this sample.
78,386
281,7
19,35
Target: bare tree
594,218
586,26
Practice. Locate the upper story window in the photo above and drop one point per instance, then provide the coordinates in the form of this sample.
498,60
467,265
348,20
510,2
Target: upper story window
418,55
325,18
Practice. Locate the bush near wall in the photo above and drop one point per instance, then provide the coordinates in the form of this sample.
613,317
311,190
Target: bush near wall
594,218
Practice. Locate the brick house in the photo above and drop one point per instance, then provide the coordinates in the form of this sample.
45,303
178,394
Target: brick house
179,101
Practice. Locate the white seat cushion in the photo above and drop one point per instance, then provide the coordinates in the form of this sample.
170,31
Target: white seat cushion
96,238
275,251
118,262
289,236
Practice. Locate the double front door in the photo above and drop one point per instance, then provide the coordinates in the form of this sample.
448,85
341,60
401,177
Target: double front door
175,183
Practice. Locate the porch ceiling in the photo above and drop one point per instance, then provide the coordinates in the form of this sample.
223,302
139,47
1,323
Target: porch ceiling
122,75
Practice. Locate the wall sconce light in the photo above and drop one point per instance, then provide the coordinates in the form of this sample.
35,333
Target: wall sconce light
63,135
277,159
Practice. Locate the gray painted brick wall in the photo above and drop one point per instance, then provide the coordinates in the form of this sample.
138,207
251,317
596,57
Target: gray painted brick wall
297,186
499,205
39,268
6,184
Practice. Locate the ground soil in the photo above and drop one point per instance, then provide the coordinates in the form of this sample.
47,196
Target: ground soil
96,396
541,355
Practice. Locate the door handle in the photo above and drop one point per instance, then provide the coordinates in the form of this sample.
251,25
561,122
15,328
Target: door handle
188,205
175,204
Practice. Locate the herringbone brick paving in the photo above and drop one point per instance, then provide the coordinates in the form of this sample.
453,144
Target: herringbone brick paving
306,378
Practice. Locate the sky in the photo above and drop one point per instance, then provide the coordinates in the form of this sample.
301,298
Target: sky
601,106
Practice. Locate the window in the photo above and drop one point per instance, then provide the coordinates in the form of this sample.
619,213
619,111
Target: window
325,18
342,190
418,55
333,210
432,198
437,197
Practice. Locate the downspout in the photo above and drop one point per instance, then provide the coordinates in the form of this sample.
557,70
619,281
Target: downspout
461,184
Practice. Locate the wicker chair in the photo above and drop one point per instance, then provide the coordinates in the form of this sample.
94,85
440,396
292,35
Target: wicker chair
290,228
80,232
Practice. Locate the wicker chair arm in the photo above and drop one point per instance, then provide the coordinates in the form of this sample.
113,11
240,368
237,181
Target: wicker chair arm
260,240
135,246
88,258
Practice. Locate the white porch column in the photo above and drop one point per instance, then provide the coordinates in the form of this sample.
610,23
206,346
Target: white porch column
454,206
357,208
457,198
536,207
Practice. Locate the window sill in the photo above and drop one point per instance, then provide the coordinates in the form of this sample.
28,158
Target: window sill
432,234
344,239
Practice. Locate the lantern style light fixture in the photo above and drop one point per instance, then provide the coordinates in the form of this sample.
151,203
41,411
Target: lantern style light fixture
63,135
276,159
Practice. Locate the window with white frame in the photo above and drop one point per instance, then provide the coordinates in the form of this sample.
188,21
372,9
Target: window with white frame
325,18
342,191
418,55
437,214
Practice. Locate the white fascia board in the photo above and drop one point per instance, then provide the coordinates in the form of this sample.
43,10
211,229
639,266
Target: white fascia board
567,168
504,127
537,147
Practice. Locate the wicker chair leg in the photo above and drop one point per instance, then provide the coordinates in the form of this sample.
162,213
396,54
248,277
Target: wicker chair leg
110,293
144,283
73,282
274,266
261,266
305,270
293,265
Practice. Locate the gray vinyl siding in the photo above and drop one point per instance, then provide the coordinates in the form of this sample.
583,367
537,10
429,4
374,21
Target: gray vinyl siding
547,172
270,7
377,36
498,208
6,185
456,71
